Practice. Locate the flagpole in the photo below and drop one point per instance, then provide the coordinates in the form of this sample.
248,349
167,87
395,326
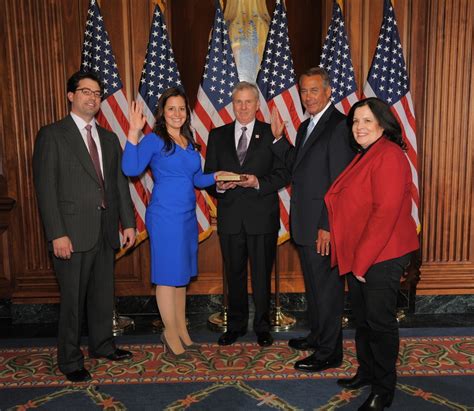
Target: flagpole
218,321
279,320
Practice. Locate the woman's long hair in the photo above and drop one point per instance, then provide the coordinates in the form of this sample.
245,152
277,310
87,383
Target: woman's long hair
160,123
386,119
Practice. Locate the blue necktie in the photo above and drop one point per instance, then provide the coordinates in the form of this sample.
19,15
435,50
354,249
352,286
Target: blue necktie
309,130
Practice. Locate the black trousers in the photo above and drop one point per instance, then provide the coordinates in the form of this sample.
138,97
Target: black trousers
325,298
374,305
85,279
237,249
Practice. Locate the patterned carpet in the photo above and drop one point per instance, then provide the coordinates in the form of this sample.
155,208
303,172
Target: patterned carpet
434,373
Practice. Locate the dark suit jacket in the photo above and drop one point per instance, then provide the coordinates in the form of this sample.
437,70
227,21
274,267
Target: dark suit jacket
256,210
314,166
68,188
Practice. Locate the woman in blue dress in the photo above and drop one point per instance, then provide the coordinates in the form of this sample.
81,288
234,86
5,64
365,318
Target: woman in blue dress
172,155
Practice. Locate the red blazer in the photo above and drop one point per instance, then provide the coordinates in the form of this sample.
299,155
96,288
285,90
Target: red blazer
369,208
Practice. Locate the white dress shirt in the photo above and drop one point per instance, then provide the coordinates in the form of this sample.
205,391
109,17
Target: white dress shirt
248,132
317,117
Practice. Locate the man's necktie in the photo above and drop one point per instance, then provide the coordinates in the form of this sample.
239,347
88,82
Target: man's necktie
309,130
242,146
95,160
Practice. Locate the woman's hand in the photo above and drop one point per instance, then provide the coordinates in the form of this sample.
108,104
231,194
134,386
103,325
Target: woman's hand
225,185
361,279
137,121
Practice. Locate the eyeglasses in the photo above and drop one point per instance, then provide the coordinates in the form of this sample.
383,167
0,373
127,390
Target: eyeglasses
88,92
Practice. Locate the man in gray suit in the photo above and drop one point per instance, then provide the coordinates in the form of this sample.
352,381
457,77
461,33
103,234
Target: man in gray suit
321,152
82,194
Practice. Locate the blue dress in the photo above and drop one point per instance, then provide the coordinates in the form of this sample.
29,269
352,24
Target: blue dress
171,215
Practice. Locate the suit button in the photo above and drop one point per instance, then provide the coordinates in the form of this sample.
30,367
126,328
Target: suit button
99,208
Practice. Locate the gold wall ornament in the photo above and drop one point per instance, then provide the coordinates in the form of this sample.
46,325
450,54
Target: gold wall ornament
248,22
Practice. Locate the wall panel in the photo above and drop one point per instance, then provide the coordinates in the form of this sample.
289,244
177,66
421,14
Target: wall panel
42,44
448,141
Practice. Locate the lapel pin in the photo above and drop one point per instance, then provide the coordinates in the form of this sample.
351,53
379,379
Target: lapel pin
257,135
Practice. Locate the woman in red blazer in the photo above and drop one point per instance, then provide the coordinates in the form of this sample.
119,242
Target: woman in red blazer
372,234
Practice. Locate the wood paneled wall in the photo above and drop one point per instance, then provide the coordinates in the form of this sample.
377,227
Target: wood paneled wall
42,45
448,141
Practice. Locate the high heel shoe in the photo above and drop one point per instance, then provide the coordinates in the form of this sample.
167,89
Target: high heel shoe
169,351
191,347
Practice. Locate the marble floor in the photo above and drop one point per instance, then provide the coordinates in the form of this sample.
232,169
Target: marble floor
198,325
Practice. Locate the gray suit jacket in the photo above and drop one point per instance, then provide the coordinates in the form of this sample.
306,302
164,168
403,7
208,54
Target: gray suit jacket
68,188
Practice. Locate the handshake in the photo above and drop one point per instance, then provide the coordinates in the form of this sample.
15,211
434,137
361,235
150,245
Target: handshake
226,180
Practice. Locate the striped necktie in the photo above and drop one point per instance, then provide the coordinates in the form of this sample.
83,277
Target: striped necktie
94,153
242,146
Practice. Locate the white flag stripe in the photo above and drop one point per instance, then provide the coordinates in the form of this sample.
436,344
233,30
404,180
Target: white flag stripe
296,99
264,107
352,98
109,114
414,173
201,218
137,201
409,132
122,102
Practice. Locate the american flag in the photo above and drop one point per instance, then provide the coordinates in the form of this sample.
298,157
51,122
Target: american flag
336,60
214,100
97,56
159,73
276,81
388,80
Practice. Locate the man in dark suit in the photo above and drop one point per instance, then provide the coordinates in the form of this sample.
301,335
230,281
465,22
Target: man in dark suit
321,152
82,194
248,216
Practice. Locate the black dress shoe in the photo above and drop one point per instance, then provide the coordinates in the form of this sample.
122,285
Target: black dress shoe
78,375
264,339
301,343
353,383
313,364
376,402
230,337
117,355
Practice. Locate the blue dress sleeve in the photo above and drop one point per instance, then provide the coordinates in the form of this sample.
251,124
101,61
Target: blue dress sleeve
137,157
202,180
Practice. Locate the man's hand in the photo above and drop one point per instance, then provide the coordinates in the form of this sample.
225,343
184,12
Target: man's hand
250,181
128,238
276,124
62,248
323,242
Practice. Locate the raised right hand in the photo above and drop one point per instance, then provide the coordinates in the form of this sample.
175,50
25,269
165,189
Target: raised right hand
277,125
137,121
62,247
